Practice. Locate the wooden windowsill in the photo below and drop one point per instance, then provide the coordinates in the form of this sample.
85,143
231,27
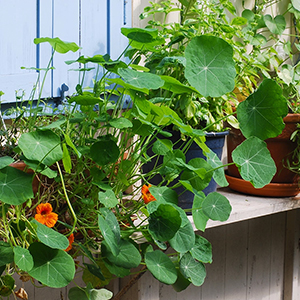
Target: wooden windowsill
246,207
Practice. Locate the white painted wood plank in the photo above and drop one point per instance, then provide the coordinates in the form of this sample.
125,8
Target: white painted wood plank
66,27
236,261
45,29
93,32
120,16
278,222
18,29
259,259
214,285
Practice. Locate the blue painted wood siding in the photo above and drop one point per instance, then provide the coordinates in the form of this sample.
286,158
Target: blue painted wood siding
93,24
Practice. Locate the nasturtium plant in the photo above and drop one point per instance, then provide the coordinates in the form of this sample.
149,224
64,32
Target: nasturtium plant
23,259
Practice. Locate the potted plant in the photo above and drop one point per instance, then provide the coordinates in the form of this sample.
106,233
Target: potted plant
81,207
281,68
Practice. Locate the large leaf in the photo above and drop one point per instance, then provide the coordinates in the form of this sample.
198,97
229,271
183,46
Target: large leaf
50,237
296,4
161,267
164,222
164,194
261,113
6,253
141,79
105,152
41,145
128,257
192,269
210,67
5,161
52,267
57,44
254,162
23,259
216,207
15,186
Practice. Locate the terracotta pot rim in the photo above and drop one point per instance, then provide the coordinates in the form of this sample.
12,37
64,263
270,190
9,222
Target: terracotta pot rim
292,118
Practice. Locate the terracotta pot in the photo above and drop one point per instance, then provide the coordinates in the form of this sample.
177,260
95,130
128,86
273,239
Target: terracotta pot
281,149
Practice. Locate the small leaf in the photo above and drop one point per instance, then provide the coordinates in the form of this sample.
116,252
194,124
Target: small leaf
50,237
128,257
161,267
216,207
23,258
164,222
95,270
192,269
276,25
7,285
57,44
108,198
164,194
120,123
202,250
199,218
216,163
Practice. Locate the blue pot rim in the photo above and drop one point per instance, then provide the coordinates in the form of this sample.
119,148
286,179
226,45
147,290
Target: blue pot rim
216,134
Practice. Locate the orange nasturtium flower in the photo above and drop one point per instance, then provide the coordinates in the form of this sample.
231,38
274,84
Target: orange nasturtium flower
44,215
71,240
146,195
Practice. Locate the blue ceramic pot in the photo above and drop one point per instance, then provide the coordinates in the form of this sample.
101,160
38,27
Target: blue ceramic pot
214,141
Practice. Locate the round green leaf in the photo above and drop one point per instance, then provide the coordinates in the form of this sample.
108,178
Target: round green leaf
254,162
164,194
162,146
140,79
77,293
261,113
161,267
15,186
141,35
23,258
192,269
296,4
120,123
108,198
276,25
202,250
199,218
104,152
184,238
198,175
128,257
50,237
41,145
210,67
164,222
216,207
52,267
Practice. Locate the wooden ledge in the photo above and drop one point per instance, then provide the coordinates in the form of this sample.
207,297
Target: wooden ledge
245,207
